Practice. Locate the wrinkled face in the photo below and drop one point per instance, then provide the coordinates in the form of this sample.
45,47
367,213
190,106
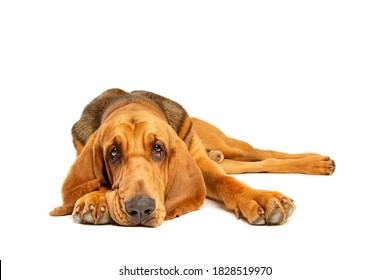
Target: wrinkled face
136,154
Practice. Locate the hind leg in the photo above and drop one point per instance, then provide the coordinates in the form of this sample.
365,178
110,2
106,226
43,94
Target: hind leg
219,146
217,143
313,165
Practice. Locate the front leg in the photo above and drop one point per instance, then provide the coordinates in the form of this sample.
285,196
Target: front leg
258,207
92,208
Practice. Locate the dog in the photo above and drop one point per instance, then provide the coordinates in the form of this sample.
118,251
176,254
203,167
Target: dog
141,159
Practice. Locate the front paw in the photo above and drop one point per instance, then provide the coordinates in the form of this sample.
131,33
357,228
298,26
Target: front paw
92,208
265,207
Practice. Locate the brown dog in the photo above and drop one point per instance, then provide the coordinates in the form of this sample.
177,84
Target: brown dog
141,159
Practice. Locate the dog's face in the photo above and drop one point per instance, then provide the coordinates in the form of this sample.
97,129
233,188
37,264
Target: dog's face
148,167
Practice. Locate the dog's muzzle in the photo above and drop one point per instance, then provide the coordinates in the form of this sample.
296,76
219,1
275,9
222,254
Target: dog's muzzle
139,210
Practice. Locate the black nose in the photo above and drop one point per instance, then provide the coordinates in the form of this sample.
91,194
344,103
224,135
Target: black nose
140,208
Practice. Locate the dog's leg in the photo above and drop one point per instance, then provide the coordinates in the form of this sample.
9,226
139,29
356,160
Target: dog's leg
236,156
266,154
258,207
314,165
220,146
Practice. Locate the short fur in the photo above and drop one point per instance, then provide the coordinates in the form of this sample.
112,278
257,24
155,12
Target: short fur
141,159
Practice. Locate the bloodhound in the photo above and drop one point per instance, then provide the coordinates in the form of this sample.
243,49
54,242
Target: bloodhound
141,160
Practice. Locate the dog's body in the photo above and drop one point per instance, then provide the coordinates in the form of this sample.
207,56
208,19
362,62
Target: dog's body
141,159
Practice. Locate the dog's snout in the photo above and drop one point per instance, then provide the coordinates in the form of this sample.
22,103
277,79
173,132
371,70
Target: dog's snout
140,208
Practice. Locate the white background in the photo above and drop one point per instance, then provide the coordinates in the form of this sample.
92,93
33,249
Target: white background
294,76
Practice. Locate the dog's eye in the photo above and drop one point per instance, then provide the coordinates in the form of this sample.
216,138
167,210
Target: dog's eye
114,155
157,151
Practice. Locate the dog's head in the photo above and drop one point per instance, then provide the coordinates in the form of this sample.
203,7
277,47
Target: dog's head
148,168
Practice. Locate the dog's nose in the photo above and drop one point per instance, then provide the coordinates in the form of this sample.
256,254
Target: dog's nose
140,208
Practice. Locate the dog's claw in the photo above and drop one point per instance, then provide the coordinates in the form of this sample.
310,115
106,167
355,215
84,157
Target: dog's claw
276,216
261,219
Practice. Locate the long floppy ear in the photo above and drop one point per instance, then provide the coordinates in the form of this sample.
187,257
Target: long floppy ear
186,189
85,175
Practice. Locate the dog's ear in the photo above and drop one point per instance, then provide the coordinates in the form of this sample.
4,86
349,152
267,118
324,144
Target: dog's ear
85,175
186,190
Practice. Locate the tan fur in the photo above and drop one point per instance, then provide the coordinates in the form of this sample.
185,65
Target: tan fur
171,178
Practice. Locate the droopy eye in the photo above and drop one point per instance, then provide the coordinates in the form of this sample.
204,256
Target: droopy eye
157,152
114,155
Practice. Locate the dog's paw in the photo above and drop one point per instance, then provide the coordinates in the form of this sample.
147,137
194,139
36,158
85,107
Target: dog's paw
318,165
265,207
92,208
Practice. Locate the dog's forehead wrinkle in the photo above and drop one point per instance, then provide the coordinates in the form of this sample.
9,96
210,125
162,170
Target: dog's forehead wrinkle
136,110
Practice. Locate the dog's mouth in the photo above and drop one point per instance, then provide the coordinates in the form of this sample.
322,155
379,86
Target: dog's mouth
139,211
